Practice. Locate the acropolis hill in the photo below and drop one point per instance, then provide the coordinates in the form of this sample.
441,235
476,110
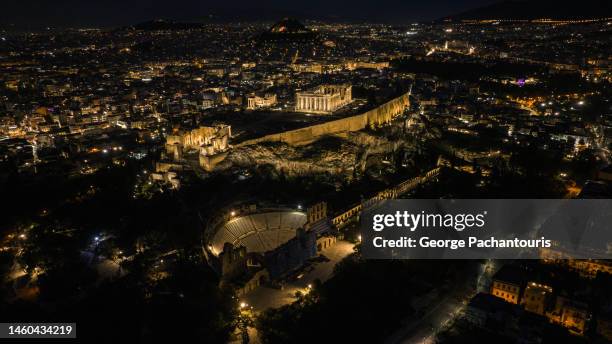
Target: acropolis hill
373,118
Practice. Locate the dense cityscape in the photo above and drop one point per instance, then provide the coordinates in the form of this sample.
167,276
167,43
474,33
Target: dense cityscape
203,182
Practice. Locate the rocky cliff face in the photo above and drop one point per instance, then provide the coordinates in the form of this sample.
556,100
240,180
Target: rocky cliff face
337,155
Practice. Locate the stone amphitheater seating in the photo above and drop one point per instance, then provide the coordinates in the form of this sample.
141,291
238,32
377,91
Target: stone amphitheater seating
259,232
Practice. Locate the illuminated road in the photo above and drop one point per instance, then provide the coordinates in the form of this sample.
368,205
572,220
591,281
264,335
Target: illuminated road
263,298
599,143
445,310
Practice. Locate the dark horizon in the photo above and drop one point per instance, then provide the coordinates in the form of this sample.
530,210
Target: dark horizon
72,13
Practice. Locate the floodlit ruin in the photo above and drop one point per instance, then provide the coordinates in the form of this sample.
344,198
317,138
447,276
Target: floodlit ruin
206,146
323,99
259,245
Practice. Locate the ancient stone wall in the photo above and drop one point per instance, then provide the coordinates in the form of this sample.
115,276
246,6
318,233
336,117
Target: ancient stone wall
208,162
375,117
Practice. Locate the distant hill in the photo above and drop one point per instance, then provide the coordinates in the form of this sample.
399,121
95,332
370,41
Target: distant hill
537,9
288,25
288,30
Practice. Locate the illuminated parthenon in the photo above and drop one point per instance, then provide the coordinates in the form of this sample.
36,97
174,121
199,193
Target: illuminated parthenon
323,99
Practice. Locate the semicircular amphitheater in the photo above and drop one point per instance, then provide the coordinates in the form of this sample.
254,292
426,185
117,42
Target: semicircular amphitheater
260,232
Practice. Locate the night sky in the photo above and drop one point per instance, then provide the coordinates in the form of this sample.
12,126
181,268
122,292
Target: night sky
123,12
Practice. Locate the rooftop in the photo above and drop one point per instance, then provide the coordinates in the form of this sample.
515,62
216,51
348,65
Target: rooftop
511,274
